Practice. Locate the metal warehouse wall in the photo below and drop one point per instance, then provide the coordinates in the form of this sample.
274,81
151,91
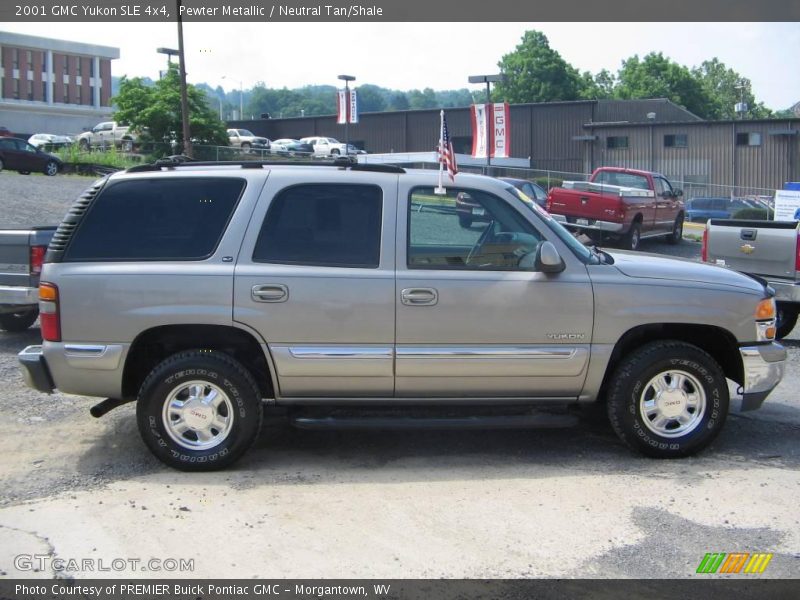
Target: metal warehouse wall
711,155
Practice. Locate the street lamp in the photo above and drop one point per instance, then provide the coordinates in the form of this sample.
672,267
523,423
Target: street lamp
488,80
241,110
347,79
170,52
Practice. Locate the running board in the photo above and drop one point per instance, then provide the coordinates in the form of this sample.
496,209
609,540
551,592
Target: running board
537,421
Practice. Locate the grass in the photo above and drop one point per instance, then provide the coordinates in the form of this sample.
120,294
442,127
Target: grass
106,158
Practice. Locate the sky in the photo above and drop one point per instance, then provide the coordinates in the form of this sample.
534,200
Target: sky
441,56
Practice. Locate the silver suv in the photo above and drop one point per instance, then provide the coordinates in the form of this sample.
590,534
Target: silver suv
204,291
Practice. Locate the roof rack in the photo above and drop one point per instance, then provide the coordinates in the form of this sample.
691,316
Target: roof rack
173,162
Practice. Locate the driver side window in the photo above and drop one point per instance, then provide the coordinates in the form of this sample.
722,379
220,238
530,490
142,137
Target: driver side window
467,229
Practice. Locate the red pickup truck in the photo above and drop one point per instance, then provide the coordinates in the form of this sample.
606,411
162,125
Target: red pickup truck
623,204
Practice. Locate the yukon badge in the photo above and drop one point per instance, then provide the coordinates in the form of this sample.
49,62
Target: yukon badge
565,336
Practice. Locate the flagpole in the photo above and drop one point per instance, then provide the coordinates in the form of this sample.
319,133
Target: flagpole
440,189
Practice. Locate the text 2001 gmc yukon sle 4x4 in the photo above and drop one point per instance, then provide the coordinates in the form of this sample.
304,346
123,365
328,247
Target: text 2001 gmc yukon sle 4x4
203,291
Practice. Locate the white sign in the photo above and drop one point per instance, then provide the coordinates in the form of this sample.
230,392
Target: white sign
501,133
787,205
479,122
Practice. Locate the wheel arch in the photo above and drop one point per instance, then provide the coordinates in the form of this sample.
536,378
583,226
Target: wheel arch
716,341
154,345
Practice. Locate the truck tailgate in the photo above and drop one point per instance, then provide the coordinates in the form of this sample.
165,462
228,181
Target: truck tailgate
591,205
15,248
758,247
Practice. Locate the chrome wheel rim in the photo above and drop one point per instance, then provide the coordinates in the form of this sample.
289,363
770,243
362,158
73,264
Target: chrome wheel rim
52,168
635,239
672,403
198,415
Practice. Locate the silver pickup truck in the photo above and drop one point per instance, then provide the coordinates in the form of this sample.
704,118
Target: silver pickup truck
768,249
202,291
21,256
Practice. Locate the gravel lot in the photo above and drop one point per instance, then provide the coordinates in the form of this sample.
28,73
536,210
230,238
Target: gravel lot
550,503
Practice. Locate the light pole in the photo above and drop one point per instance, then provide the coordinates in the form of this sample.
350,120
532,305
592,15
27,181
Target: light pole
187,136
488,80
241,109
347,79
170,52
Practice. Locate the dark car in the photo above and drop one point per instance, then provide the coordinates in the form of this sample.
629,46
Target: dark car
703,209
290,147
470,212
19,155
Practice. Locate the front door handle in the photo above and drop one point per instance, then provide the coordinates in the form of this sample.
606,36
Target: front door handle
271,292
419,296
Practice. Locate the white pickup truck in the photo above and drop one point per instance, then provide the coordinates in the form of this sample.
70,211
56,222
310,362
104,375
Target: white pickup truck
326,146
107,134
768,249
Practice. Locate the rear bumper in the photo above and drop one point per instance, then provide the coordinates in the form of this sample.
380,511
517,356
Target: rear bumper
592,224
34,369
19,296
785,291
763,370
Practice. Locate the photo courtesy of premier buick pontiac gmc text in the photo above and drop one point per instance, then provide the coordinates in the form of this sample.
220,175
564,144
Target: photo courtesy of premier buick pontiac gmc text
205,292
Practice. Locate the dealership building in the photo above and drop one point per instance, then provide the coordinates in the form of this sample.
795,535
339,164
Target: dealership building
748,156
53,86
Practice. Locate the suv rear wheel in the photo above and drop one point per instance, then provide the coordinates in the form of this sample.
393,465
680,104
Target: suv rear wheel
668,399
199,410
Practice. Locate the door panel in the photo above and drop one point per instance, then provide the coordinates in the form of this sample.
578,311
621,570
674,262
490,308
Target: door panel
508,332
331,331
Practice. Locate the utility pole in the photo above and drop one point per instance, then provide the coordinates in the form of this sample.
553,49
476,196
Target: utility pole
187,136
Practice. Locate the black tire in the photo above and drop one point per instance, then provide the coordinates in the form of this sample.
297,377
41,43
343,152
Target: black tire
210,368
24,172
51,168
629,390
465,222
18,321
335,152
2,165
633,238
786,319
246,146
676,237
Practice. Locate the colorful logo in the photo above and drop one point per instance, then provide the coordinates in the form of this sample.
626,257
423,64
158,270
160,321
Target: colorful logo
734,562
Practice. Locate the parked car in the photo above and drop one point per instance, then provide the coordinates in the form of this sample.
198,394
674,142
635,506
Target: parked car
325,146
18,155
246,140
291,147
703,209
49,141
330,290
532,190
625,205
21,256
4,132
106,135
766,249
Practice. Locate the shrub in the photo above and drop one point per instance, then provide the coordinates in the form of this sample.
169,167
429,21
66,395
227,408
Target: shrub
546,183
754,214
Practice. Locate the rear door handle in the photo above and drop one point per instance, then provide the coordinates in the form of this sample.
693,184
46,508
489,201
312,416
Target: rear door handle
419,296
271,292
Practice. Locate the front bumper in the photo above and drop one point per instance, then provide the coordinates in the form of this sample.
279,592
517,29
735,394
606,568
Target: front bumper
592,224
18,295
34,369
763,369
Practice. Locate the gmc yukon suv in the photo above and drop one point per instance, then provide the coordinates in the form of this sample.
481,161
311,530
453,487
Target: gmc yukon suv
351,295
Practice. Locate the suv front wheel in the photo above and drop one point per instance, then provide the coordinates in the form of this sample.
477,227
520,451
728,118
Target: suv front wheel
199,410
668,399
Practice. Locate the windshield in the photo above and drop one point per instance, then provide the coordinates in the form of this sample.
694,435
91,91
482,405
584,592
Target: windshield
565,236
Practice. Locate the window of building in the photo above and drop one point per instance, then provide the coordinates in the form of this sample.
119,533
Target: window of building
483,233
329,225
15,57
44,90
79,66
91,67
676,140
29,87
16,89
44,61
748,139
615,142
28,59
79,95
156,219
66,93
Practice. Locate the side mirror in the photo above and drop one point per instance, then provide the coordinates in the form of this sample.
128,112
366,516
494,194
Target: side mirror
548,259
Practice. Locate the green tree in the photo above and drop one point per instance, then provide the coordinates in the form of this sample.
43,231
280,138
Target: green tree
418,99
155,112
537,73
398,101
726,87
655,76
371,98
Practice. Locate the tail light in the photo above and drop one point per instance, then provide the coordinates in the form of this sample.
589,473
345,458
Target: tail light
549,202
49,312
797,253
704,248
37,259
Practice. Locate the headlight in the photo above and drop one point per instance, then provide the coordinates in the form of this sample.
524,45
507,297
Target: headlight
765,320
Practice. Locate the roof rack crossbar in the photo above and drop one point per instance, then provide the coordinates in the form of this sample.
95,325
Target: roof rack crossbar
257,164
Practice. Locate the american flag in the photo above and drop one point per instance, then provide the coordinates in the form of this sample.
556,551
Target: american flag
446,155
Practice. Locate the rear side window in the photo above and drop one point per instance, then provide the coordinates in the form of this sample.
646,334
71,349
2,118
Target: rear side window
327,225
156,219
